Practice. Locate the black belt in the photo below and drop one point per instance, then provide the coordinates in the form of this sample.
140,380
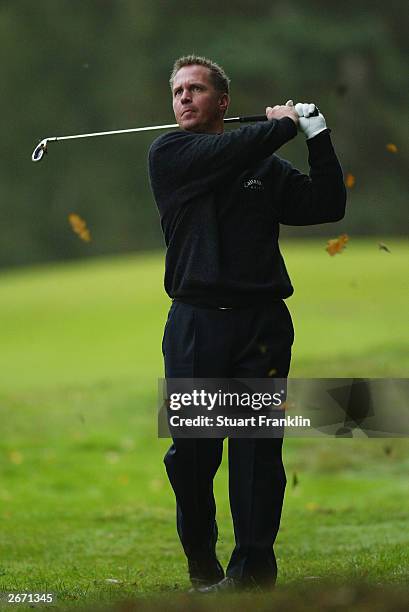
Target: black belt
241,306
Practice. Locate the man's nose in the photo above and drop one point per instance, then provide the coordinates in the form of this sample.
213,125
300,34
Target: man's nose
186,97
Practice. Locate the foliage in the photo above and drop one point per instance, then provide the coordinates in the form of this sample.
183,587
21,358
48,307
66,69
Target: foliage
104,64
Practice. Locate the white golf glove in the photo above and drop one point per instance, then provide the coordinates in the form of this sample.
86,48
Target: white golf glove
310,126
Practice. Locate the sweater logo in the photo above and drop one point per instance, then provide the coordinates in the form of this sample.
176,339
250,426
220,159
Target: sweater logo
254,184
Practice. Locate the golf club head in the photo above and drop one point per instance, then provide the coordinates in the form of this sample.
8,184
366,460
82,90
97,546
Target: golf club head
39,151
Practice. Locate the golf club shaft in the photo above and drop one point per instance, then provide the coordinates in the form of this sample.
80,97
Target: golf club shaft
41,148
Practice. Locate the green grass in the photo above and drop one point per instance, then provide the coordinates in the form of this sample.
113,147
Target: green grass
83,493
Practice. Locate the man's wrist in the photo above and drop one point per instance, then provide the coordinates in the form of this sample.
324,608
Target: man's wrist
290,123
319,131
320,146
322,132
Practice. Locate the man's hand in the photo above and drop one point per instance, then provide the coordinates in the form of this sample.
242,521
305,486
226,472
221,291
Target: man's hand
278,112
310,126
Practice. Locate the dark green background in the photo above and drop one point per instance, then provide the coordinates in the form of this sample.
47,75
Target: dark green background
70,67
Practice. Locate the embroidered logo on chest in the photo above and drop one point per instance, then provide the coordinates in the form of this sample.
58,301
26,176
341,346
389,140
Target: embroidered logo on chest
254,184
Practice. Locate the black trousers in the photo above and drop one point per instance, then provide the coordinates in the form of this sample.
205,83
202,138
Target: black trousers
238,343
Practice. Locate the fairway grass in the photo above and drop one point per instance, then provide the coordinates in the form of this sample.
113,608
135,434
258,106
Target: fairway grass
84,499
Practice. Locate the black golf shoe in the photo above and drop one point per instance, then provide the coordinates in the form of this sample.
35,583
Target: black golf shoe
231,585
204,573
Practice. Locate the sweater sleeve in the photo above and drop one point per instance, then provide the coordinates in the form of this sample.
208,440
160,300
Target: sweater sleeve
186,164
319,197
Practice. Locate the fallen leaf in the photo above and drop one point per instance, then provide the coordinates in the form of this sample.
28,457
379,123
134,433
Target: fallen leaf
336,245
313,507
16,457
350,180
156,484
127,444
112,457
79,226
383,247
392,148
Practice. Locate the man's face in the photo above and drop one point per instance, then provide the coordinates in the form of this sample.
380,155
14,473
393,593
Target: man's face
197,105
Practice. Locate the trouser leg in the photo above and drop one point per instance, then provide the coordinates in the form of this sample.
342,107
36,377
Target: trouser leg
257,483
194,346
191,465
257,477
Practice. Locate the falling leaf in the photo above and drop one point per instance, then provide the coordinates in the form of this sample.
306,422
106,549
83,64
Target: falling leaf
383,247
287,405
272,372
263,348
350,180
166,404
336,245
392,148
79,226
295,480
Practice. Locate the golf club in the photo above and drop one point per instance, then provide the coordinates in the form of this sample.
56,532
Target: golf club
41,148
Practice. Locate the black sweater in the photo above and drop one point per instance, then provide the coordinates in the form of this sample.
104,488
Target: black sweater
221,198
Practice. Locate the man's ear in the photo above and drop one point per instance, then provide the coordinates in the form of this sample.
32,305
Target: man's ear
224,102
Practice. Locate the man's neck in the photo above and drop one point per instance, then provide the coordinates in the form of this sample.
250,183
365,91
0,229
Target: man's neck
214,130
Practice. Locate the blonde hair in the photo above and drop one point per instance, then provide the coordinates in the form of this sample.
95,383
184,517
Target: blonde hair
218,76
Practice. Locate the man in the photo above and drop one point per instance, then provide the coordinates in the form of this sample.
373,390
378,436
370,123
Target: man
221,197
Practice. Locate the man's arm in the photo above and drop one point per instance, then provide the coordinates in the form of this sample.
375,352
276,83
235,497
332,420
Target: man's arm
319,197
186,164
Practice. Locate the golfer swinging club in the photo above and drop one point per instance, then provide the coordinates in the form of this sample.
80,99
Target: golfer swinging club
221,198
